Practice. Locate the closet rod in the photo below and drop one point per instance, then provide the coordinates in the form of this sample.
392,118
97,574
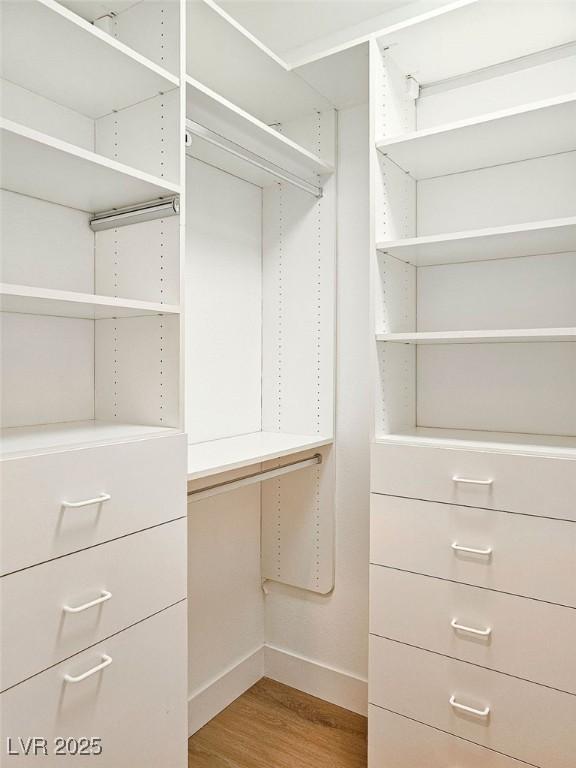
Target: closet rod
255,477
195,129
134,214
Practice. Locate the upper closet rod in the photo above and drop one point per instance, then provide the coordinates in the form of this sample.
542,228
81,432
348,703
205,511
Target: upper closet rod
195,129
255,477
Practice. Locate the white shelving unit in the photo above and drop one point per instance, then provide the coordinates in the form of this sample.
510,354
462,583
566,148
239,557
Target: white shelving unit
473,278
217,456
41,37
529,239
531,130
38,165
23,299
260,277
481,337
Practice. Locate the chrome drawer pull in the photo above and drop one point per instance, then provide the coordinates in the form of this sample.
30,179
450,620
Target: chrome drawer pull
87,502
463,628
471,550
106,661
99,600
471,480
470,710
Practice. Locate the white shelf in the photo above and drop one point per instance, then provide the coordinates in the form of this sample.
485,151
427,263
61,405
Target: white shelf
481,337
52,51
533,130
468,35
232,62
41,166
534,238
213,111
210,458
47,438
24,299
499,442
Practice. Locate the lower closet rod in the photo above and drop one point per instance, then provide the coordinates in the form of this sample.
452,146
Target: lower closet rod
255,477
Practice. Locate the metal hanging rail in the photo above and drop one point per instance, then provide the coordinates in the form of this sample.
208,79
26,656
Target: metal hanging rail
201,132
255,477
134,214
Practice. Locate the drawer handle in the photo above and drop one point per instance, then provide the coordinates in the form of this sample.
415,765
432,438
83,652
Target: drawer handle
472,480
463,628
471,550
106,661
99,600
86,502
470,710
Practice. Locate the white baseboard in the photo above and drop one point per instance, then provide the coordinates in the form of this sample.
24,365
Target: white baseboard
317,679
297,671
206,702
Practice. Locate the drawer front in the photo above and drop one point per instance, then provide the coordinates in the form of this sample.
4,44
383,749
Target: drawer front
396,742
36,632
526,638
526,721
137,704
530,556
146,482
532,485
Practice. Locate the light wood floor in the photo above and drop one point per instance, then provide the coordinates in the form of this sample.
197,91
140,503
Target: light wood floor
274,726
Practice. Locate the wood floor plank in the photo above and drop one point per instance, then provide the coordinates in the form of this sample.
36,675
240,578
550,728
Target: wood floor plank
274,726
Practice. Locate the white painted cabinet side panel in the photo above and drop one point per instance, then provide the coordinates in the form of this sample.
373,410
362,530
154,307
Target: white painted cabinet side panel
47,369
137,371
45,245
298,526
151,28
224,304
498,387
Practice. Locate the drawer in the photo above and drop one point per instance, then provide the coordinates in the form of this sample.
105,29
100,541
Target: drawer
146,482
36,632
396,742
526,721
528,638
534,485
530,556
136,705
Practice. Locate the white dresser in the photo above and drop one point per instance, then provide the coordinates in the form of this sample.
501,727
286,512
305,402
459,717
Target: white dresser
93,603
473,469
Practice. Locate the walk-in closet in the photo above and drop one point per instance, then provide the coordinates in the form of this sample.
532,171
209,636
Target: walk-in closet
288,383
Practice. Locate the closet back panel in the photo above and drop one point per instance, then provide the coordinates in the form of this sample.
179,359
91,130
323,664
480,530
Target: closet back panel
498,387
47,369
45,245
531,190
137,371
522,86
224,304
529,292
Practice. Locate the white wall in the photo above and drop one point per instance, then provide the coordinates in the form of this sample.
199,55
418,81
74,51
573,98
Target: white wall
333,630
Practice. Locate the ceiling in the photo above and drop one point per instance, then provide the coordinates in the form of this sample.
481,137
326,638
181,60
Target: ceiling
285,25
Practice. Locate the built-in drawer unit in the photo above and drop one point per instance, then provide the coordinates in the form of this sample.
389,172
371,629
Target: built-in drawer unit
520,719
534,485
54,610
57,503
126,691
525,638
397,742
529,556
